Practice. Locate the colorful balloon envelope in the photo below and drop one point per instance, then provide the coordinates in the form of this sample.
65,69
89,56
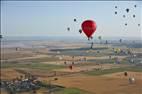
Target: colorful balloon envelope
89,27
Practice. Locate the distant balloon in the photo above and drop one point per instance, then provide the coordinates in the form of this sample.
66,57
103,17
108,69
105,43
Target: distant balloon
91,45
115,12
72,63
106,42
109,56
125,24
0,36
120,40
80,31
124,16
131,80
135,6
68,29
134,16
115,6
65,62
138,24
99,37
55,78
127,10
98,51
70,67
89,27
74,20
125,73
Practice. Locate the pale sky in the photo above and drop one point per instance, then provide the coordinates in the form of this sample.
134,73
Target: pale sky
51,18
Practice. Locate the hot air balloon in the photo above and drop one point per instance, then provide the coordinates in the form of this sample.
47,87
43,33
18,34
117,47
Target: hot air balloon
109,56
74,20
70,67
127,10
106,42
115,12
124,16
89,27
72,63
0,36
134,16
91,45
135,6
125,73
65,62
55,78
138,24
68,29
120,40
115,6
100,38
80,31
131,80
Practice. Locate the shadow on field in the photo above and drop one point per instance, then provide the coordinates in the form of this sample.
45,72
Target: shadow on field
80,49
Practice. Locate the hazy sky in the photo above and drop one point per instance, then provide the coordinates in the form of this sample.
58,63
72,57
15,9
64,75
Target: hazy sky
47,18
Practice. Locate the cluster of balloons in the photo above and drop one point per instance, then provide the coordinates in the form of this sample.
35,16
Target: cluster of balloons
127,11
88,27
68,28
